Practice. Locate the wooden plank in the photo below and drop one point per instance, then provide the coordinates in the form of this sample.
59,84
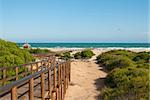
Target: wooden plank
37,67
31,89
14,93
49,82
67,83
42,86
32,68
69,71
64,78
4,76
16,69
60,80
54,76
52,95
59,83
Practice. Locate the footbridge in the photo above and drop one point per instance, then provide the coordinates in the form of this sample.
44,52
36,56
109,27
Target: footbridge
46,79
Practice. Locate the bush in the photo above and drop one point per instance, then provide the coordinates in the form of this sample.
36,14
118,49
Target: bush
85,54
77,55
114,61
128,82
128,77
142,57
11,55
66,56
39,51
126,53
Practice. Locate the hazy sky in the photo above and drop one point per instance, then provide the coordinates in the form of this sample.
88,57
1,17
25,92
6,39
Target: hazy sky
74,20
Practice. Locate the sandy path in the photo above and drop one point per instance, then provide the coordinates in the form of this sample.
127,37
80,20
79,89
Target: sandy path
86,81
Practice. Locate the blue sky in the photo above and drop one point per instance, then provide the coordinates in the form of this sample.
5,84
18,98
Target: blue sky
74,20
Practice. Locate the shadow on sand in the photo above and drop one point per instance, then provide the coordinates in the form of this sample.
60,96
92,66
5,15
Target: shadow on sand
99,83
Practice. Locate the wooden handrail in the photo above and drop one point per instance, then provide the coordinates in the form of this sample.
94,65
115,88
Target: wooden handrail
58,71
19,82
2,68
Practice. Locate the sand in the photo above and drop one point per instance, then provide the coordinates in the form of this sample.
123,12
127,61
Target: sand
87,77
97,49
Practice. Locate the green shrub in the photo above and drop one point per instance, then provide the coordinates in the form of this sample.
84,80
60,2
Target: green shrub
112,53
11,55
39,51
115,61
126,53
129,75
127,82
85,54
66,56
77,55
123,58
144,56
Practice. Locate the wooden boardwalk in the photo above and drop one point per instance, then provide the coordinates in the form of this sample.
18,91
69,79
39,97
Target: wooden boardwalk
45,79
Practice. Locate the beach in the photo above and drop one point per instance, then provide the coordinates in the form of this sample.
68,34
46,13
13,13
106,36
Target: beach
74,50
87,77
97,50
88,73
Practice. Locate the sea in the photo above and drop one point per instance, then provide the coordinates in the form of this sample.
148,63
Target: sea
88,45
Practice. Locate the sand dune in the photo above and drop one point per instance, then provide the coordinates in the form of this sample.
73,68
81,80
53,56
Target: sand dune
87,77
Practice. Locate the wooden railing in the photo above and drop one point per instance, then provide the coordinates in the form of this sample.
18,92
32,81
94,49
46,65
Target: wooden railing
50,75
28,69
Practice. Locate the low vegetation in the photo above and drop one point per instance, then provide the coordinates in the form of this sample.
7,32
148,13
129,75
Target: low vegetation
12,55
128,77
39,51
66,56
85,54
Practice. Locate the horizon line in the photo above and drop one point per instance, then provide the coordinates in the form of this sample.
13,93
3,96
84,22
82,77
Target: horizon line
89,42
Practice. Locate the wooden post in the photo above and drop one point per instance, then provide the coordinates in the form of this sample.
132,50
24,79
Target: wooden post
31,89
14,93
4,76
16,73
52,95
63,75
58,87
54,76
42,86
61,88
49,82
42,65
64,78
67,74
31,68
25,72
56,93
69,71
37,67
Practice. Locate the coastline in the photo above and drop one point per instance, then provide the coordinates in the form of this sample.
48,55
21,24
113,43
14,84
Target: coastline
139,49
